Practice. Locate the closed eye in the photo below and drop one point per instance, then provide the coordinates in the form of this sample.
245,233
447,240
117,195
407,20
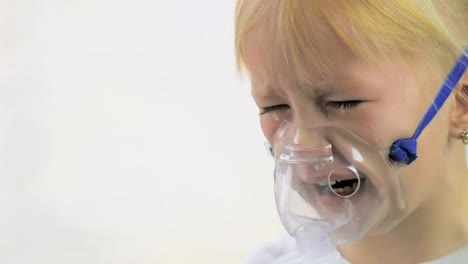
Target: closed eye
273,108
343,105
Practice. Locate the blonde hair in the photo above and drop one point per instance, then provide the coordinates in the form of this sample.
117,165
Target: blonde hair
430,30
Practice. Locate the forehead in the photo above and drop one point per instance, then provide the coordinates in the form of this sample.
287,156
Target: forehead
271,66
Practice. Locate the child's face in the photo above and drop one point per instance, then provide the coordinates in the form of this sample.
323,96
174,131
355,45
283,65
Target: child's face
378,103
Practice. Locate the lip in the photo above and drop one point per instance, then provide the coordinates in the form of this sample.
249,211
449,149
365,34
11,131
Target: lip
308,174
329,203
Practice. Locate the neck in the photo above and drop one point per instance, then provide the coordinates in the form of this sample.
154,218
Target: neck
436,228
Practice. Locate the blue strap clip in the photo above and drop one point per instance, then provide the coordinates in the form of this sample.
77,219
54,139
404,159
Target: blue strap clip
406,150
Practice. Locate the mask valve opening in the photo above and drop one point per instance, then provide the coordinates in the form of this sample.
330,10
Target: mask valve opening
344,182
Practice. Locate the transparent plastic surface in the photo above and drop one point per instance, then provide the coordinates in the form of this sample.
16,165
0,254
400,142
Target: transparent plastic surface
298,258
332,187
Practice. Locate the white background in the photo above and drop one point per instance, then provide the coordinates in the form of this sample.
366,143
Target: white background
126,135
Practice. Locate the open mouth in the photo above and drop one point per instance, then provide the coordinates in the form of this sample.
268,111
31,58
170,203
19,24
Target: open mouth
344,188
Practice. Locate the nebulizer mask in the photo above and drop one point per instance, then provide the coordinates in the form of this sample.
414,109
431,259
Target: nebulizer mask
332,187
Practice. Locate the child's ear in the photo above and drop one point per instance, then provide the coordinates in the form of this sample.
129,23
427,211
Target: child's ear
459,117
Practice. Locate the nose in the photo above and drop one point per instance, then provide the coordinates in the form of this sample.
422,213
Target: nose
309,136
306,114
307,145
311,162
309,149
310,121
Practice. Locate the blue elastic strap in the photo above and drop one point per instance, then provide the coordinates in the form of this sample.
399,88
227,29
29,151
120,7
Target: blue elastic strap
406,150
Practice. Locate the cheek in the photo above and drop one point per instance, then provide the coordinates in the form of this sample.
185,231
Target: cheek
269,127
374,127
423,178
271,122
383,122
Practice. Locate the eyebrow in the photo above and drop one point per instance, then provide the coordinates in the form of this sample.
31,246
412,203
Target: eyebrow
265,92
319,88
326,87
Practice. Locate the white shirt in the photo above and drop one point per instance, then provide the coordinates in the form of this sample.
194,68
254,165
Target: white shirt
284,251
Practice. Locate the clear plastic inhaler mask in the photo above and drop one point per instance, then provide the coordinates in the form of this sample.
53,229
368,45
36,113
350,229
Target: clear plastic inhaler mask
332,187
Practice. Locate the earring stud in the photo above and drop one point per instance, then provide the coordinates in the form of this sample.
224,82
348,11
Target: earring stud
464,136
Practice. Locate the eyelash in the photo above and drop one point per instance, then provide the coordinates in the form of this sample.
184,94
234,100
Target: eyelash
343,105
335,105
273,108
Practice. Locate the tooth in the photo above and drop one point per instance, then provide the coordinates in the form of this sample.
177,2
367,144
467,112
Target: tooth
338,190
347,189
354,186
332,182
322,184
